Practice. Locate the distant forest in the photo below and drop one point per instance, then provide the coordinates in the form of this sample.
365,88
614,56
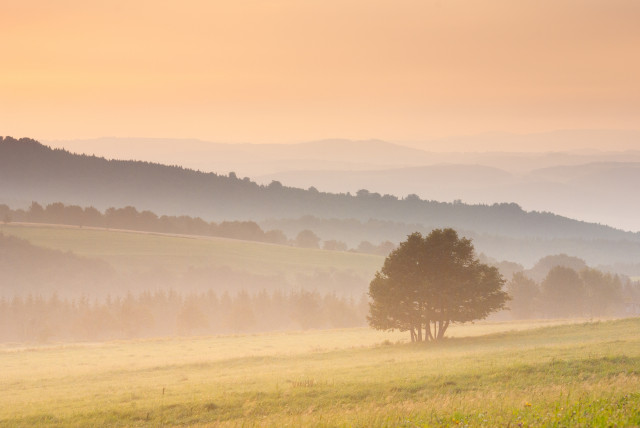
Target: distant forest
30,171
567,292
168,313
563,292
129,218
618,256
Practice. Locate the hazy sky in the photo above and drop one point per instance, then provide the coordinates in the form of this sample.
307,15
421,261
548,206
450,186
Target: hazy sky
299,70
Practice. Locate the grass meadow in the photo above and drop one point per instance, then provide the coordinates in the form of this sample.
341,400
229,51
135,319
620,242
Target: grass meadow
550,373
136,251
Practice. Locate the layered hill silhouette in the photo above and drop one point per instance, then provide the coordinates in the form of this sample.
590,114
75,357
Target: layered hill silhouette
590,185
592,191
30,171
254,160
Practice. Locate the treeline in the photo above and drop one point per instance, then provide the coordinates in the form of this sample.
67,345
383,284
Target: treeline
129,218
167,313
309,231
611,255
32,171
350,230
566,293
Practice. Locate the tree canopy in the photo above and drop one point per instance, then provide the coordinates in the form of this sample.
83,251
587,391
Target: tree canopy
429,282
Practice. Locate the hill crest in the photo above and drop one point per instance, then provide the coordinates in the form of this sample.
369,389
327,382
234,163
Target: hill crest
30,171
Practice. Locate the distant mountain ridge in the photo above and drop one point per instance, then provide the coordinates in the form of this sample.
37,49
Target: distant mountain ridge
592,192
534,180
252,160
589,140
32,171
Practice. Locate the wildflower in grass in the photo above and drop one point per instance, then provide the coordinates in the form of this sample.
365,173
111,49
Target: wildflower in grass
527,404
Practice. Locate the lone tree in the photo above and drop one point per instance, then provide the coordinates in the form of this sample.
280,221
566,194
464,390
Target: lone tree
429,282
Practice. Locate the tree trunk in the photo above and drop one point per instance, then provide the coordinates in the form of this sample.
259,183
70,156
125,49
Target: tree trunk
427,331
413,335
435,329
443,328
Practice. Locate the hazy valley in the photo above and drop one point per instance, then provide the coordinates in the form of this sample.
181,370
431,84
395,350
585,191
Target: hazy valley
166,241
319,214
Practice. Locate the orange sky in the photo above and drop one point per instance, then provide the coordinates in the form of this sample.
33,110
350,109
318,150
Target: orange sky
299,70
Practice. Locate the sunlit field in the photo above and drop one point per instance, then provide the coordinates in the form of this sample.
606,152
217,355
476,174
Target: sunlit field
486,374
140,251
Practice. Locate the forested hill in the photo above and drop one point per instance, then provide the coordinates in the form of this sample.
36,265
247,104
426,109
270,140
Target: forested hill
30,171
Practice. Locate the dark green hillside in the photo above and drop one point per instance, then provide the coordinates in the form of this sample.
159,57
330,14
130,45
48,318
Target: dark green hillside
30,171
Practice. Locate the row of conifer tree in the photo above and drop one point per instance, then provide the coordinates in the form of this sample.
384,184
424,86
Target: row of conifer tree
168,313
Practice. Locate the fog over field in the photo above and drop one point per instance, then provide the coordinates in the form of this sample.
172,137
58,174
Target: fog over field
75,272
320,214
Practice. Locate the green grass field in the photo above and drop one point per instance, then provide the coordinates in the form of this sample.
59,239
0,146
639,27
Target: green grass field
487,374
142,251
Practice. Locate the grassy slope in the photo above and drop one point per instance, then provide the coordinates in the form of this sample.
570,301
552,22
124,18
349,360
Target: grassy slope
581,374
142,251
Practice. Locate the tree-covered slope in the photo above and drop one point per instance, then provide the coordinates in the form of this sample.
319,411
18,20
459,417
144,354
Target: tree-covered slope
31,171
